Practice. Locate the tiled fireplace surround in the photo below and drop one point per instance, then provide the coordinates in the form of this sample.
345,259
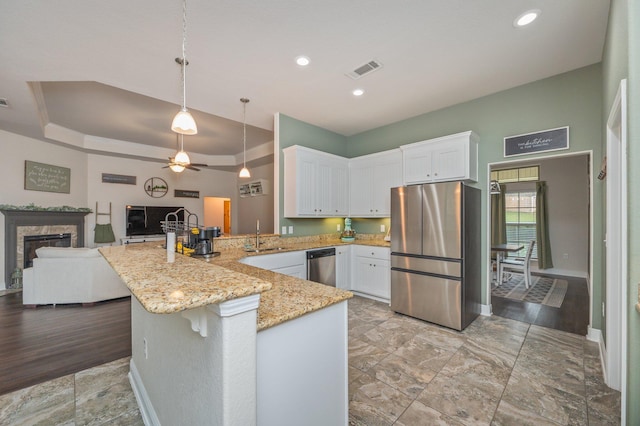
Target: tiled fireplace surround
18,223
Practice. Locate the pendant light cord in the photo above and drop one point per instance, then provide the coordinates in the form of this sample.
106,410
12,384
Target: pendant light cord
244,131
184,54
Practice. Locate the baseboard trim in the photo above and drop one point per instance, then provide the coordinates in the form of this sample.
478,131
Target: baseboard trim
149,416
369,296
595,335
486,310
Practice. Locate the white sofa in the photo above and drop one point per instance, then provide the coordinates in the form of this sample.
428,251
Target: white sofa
70,275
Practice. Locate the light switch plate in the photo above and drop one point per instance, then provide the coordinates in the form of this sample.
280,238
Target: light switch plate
383,228
338,227
291,229
284,230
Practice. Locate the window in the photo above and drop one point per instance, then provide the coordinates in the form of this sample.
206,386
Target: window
521,174
520,208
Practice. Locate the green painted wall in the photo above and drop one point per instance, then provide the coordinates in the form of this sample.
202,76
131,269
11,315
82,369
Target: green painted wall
621,59
572,99
614,68
633,383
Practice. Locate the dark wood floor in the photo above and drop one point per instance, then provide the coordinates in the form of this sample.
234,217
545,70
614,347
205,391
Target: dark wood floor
41,344
572,316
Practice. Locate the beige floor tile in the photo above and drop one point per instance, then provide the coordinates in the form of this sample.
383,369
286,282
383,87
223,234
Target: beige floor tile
375,403
420,414
48,403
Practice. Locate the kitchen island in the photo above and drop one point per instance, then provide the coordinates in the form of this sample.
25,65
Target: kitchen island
220,342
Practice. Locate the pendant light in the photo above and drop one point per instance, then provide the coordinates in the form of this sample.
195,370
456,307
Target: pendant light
244,173
183,122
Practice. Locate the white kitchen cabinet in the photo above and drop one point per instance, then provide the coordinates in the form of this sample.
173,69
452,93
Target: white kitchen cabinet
315,183
292,263
371,272
453,157
371,177
343,267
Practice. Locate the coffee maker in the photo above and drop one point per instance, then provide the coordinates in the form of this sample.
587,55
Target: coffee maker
204,241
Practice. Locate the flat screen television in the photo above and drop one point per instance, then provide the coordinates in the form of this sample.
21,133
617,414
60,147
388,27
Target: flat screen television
145,220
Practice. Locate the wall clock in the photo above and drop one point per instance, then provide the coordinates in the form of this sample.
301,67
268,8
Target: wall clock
156,187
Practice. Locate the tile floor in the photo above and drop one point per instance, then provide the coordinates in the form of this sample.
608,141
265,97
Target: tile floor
402,372
498,371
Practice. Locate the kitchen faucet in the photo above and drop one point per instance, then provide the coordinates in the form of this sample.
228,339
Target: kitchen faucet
257,234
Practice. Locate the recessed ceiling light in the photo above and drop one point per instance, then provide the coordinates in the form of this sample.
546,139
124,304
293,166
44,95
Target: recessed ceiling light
526,18
358,92
303,61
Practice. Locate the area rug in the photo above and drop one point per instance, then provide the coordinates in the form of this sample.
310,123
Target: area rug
544,290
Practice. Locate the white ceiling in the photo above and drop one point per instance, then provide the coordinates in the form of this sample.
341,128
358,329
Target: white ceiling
103,75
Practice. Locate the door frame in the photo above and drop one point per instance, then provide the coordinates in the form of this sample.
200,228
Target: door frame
616,241
487,309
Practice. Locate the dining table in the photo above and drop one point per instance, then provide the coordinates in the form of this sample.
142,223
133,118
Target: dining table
501,251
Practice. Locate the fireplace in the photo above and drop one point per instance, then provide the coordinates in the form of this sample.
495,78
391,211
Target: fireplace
21,223
34,242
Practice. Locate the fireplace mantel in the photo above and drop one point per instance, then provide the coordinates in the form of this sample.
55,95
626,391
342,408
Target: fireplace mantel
15,218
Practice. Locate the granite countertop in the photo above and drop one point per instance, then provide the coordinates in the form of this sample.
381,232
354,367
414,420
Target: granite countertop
187,283
192,282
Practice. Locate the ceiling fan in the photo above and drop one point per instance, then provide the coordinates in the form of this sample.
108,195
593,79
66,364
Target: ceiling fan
181,160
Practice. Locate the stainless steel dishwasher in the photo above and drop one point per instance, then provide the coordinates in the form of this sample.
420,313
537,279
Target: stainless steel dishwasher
321,266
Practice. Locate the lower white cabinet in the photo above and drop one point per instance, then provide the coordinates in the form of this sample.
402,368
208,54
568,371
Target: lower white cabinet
292,263
371,272
343,267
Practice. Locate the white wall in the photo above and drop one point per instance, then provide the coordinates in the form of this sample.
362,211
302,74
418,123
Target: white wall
260,207
210,183
16,149
87,186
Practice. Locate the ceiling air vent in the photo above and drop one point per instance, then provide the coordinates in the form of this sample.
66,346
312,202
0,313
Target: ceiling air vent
365,69
4,102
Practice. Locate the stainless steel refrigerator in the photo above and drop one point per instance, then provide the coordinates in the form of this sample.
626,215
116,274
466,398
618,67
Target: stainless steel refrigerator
435,252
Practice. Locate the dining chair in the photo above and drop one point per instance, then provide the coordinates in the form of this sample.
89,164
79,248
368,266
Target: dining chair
521,265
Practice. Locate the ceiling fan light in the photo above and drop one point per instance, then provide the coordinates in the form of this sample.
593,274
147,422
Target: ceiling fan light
244,173
176,168
182,158
184,123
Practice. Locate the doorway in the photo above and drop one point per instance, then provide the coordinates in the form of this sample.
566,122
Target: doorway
615,308
217,212
569,192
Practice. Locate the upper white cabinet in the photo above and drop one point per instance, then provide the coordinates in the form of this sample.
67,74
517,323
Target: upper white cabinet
371,177
453,157
316,184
